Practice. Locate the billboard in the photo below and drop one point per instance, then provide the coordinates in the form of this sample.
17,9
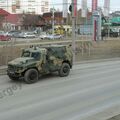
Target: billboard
94,5
84,8
65,8
106,7
74,8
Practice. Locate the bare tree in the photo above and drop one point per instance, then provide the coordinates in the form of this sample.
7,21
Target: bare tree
30,21
2,18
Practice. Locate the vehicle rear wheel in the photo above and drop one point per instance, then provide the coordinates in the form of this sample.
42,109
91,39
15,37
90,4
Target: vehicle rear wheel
31,76
64,70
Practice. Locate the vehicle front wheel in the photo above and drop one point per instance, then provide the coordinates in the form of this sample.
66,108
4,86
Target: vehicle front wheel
31,76
64,70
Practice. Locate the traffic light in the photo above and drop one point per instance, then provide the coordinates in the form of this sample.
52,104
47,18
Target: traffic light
73,8
70,8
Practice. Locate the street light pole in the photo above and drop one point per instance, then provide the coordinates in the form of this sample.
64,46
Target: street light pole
108,26
74,14
73,38
6,18
53,24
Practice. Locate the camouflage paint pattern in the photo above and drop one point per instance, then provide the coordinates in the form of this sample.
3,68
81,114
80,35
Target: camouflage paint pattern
51,59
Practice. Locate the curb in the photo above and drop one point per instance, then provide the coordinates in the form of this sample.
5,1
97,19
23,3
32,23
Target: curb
3,70
97,60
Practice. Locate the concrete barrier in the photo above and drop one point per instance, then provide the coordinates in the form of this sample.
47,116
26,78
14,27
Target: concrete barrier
3,70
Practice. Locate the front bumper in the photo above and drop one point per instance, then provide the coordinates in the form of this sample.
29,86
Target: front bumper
13,74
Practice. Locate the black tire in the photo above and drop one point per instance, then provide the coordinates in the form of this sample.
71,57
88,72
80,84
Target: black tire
64,70
31,76
13,78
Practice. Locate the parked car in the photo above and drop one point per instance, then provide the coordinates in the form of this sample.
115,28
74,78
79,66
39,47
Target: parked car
2,32
14,33
4,36
27,35
54,36
43,35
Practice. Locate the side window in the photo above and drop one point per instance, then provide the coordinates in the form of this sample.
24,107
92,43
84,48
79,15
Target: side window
36,55
47,57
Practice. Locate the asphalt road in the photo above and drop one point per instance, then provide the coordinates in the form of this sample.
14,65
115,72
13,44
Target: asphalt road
90,92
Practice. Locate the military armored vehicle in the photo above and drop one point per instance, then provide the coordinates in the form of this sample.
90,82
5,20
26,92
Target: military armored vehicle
37,61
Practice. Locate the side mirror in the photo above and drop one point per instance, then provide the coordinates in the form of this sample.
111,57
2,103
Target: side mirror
22,50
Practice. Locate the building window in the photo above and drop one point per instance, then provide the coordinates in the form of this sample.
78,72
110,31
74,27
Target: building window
17,4
31,0
46,3
42,9
43,3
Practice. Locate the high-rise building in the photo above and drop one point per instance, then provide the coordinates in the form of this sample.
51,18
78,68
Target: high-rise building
5,4
25,6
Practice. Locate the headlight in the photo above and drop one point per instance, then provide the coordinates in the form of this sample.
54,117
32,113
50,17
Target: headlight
19,68
23,62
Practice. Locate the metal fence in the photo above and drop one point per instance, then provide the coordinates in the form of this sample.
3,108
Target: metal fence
10,51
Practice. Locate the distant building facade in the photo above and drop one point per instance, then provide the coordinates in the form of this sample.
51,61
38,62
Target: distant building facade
58,19
25,6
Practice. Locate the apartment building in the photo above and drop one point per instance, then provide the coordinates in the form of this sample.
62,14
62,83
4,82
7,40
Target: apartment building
25,6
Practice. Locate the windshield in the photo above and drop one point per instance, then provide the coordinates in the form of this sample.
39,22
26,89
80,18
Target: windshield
35,55
26,54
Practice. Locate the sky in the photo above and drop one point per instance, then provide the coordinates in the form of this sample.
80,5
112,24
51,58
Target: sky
114,4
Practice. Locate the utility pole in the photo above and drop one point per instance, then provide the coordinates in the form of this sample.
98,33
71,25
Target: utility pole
106,13
5,16
74,14
94,10
99,23
108,26
73,38
65,14
53,24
